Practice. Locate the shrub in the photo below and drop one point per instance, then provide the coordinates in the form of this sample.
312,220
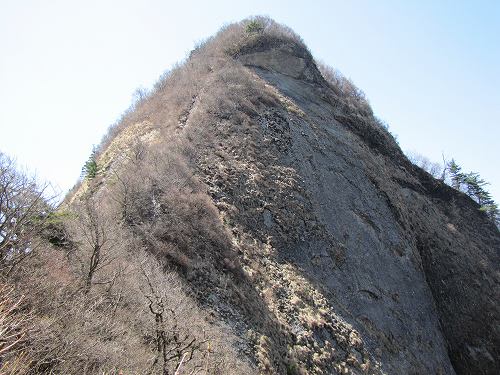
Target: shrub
254,26
13,331
434,169
346,90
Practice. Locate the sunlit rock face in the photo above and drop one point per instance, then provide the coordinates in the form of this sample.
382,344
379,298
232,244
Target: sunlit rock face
333,253
402,260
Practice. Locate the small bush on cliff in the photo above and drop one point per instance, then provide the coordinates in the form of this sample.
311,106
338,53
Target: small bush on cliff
254,26
350,95
436,170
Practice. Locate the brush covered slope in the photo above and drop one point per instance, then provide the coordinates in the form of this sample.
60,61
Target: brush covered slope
253,213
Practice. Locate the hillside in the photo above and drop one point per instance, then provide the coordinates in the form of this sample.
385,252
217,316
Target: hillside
251,215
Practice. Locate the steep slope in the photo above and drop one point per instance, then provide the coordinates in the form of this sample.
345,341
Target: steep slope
404,236
295,222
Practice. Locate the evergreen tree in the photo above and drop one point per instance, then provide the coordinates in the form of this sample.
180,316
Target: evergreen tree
91,168
473,185
456,176
491,209
254,27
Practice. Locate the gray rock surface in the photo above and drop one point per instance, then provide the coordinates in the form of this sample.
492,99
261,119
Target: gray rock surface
406,262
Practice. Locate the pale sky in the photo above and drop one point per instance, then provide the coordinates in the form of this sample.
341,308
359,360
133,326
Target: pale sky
68,69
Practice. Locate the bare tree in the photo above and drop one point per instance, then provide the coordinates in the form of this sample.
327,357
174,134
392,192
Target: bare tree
174,344
434,169
23,210
94,226
13,332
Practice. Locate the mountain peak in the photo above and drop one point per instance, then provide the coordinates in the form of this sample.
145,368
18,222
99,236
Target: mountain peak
252,215
262,42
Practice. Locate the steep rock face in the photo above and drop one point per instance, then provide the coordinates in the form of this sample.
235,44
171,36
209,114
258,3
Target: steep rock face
384,245
288,59
382,211
337,254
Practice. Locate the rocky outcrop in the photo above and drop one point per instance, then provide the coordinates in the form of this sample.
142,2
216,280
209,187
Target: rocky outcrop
341,256
288,59
403,262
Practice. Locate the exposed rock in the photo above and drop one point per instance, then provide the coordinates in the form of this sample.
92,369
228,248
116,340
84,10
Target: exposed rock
367,231
341,256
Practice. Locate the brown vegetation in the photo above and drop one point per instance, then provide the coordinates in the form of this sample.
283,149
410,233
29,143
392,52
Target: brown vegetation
97,291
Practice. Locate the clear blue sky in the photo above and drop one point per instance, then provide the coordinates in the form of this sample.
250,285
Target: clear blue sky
431,69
